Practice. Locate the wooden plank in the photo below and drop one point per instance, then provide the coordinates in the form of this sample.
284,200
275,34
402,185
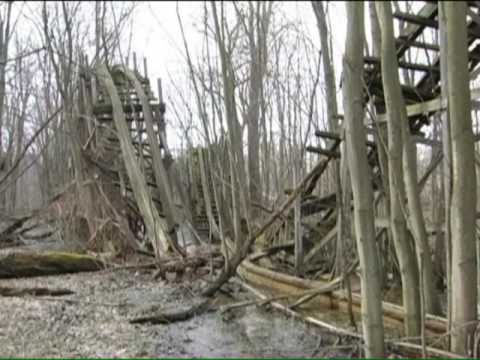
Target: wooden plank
325,240
428,107
329,134
403,64
422,45
412,31
415,19
321,151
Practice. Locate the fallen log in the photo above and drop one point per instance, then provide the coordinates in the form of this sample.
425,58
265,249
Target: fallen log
303,295
281,283
12,228
410,348
170,317
23,264
180,265
33,291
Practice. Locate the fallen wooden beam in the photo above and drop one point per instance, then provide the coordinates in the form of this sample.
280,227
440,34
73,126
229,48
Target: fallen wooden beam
170,317
33,291
282,283
403,346
321,151
329,134
23,264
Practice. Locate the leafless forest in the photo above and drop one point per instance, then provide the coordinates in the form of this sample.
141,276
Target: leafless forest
285,195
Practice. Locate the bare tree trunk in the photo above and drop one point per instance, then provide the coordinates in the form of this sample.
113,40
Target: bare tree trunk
463,206
447,161
372,319
332,116
4,42
397,112
259,22
237,162
404,247
380,136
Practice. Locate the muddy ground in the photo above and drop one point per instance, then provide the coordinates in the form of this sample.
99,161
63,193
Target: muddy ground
94,321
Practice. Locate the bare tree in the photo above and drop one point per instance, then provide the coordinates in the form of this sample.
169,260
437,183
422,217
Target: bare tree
404,247
372,319
463,205
396,111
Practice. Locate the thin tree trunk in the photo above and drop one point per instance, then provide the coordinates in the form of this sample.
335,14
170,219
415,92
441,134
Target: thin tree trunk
447,162
397,112
404,247
372,319
463,206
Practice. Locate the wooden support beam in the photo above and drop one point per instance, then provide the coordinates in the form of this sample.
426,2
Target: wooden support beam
410,93
105,108
412,31
321,151
421,45
403,64
430,106
328,134
415,19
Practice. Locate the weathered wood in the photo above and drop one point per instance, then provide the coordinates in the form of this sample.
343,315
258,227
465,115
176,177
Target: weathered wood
180,265
170,317
107,109
328,134
161,177
415,19
404,64
321,244
319,170
280,283
32,291
242,252
417,44
153,223
23,264
430,106
321,151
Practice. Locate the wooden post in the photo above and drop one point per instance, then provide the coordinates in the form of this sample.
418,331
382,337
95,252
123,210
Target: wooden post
145,72
135,67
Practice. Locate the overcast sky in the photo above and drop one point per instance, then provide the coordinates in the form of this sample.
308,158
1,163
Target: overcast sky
157,33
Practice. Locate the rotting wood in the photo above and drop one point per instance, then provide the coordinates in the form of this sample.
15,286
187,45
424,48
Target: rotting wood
25,264
286,284
304,296
154,224
32,291
180,265
321,151
242,251
159,170
414,349
171,317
